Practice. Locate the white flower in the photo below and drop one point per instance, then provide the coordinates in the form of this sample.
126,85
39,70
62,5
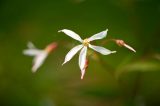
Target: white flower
39,55
84,46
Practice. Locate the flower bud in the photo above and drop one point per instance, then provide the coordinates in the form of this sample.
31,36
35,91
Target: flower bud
122,43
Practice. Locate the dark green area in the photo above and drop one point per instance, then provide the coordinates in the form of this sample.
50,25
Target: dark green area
121,79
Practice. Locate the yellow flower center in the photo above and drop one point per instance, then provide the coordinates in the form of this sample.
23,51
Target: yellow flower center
86,42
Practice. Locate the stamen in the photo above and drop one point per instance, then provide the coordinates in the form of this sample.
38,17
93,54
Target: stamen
86,42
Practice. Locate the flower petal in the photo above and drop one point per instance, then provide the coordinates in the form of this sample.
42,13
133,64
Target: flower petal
82,58
129,47
100,35
101,50
30,45
84,69
82,73
71,34
32,52
71,53
39,60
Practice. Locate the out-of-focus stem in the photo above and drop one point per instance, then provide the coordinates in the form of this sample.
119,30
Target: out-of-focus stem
136,85
107,40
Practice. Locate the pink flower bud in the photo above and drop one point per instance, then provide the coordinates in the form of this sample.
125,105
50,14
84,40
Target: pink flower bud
122,43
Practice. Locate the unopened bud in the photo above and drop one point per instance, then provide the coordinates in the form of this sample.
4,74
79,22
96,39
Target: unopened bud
122,43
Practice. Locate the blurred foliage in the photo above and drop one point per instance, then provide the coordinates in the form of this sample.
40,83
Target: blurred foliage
121,79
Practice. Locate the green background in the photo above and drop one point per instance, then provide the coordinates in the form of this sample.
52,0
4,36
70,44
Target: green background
121,79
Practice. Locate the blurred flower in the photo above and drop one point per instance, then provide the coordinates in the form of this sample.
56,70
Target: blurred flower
83,47
122,43
39,55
